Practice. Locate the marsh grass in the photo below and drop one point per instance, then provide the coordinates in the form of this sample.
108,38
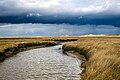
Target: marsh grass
6,42
10,46
102,57
102,53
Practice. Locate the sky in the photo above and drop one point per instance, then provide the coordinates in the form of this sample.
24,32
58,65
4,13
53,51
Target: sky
55,7
55,29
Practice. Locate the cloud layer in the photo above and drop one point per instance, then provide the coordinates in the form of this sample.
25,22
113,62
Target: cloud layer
55,30
15,7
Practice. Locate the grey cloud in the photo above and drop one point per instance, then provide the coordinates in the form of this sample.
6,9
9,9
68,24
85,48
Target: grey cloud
14,7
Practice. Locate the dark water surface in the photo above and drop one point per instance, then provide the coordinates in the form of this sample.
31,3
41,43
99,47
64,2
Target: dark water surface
41,64
55,29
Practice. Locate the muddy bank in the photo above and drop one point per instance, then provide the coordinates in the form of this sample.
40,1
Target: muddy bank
10,51
72,53
77,53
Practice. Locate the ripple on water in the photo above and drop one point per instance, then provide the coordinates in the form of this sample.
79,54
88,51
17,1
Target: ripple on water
41,64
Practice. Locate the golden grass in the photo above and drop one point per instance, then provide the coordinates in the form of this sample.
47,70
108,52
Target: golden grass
102,53
6,42
10,46
103,57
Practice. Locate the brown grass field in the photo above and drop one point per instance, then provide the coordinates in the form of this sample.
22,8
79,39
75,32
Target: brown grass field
7,42
102,57
102,53
10,46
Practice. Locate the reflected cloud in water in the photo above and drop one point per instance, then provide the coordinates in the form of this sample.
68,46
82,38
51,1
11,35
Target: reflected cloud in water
55,29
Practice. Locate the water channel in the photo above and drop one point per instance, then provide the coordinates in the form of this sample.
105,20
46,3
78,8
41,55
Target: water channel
41,64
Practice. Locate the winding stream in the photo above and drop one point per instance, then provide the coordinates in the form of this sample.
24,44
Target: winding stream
41,64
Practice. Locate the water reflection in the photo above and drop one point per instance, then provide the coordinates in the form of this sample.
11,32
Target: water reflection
55,29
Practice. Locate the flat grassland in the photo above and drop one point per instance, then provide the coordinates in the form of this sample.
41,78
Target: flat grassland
7,42
102,53
102,57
